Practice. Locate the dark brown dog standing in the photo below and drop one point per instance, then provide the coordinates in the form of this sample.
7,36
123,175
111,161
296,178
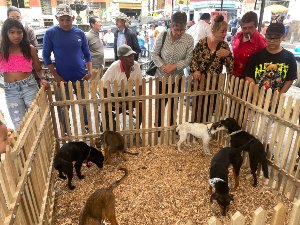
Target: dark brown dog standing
101,204
112,142
219,175
78,152
255,149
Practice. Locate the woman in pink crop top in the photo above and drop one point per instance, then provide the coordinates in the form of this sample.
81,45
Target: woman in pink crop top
17,57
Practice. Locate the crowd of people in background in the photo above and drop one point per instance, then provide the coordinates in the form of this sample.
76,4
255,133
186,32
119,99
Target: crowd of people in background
177,48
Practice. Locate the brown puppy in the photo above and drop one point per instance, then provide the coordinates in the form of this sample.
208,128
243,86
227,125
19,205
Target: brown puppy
112,142
101,204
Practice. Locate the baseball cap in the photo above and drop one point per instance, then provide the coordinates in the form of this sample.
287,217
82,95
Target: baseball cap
275,29
63,10
125,50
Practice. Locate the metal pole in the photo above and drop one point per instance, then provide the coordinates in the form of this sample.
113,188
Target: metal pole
261,15
222,5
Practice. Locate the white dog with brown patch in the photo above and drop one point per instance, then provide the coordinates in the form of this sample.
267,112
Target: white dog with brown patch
199,130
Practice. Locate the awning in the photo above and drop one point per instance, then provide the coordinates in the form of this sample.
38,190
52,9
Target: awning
130,6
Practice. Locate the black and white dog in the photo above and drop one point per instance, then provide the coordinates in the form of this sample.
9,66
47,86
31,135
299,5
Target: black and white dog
78,152
256,151
199,130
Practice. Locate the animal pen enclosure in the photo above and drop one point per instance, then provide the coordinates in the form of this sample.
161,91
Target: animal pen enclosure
27,188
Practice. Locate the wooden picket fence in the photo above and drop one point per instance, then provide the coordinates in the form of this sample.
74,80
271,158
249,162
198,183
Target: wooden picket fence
27,192
26,182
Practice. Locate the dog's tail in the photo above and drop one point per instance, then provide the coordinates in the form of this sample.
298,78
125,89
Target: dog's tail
264,166
118,182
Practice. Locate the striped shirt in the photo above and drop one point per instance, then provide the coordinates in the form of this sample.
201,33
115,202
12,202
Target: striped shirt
179,52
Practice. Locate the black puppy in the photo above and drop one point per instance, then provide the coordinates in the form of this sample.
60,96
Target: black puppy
255,149
219,175
78,152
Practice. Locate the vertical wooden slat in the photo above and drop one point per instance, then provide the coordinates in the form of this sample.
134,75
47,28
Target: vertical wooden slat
180,110
279,212
117,107
73,110
66,111
295,214
103,108
213,221
86,88
163,103
150,115
94,85
212,98
81,113
175,111
234,102
169,111
237,219
125,105
144,113
220,100
259,216
194,113
130,87
156,110
137,116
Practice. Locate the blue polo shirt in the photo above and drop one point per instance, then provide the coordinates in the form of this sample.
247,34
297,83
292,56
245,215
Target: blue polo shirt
70,50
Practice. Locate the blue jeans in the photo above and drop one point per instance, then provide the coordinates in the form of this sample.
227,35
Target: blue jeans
68,98
19,95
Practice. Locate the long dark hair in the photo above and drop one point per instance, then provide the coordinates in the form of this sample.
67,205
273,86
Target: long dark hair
5,42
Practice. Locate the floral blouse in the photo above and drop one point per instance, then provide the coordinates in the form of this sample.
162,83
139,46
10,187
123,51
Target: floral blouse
202,56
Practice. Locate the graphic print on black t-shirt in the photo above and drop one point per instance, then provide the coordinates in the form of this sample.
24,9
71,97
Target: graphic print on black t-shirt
271,75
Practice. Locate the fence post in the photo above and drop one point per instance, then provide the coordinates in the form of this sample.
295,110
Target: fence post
278,216
213,221
237,219
295,215
259,216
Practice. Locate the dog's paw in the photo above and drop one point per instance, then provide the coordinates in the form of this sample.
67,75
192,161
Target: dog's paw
62,177
81,177
72,187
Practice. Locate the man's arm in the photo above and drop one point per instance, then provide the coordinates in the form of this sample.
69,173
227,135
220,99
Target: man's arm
286,87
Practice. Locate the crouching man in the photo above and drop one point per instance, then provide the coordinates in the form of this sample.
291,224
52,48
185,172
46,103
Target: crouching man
123,69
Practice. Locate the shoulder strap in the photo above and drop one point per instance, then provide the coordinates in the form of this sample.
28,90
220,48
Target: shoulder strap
163,41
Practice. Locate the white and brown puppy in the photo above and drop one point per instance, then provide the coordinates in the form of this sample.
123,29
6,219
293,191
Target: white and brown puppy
199,130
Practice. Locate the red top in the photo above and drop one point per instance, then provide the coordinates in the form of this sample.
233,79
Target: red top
243,50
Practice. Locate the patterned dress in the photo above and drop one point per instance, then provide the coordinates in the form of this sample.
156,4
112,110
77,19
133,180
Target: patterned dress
202,55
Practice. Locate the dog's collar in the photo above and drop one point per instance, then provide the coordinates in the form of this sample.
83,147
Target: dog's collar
212,182
233,133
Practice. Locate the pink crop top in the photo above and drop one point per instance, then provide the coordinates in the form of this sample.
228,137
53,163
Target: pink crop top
15,63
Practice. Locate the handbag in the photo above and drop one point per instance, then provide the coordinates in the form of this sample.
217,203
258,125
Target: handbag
151,65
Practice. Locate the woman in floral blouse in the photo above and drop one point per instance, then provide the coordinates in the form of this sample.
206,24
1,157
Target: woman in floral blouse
211,53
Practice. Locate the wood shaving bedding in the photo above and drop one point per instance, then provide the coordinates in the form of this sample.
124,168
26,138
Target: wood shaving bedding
164,187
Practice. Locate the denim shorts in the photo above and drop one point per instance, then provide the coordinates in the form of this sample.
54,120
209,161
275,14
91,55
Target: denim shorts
19,95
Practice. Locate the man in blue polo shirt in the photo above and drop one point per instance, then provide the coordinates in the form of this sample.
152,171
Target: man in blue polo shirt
71,52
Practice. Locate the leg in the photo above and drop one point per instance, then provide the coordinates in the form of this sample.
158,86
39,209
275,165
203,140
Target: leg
62,109
15,104
183,136
253,167
60,175
85,118
78,169
159,104
111,213
206,145
70,177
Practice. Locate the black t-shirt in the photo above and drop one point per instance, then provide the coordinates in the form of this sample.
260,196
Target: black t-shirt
271,70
